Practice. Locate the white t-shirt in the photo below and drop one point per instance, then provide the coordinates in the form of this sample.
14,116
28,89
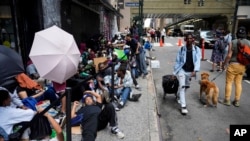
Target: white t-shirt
10,116
163,32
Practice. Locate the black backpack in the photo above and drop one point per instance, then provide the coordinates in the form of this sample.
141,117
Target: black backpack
222,44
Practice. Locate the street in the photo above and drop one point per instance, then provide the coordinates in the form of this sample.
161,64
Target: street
200,124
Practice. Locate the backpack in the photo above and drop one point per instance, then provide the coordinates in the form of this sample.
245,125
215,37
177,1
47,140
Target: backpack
243,55
222,44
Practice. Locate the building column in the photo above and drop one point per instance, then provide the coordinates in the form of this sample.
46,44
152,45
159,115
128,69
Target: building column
162,24
229,22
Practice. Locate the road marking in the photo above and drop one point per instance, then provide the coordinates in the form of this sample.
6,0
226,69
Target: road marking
165,44
247,81
169,44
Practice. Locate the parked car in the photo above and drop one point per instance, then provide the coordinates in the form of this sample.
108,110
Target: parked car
208,36
177,32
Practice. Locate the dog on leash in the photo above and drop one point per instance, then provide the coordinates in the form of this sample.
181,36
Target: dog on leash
210,89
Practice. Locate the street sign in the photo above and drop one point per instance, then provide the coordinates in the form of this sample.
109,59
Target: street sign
132,4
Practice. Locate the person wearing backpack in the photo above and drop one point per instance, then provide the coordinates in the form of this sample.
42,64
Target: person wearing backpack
235,69
217,53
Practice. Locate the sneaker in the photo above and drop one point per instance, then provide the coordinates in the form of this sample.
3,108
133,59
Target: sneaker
137,87
120,105
225,102
117,132
115,106
60,115
62,121
135,97
184,110
144,76
236,103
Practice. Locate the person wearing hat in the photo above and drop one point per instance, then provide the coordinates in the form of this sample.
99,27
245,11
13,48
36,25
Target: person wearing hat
95,116
234,70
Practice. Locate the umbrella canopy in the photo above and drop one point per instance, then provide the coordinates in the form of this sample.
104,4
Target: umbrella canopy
11,64
120,54
55,54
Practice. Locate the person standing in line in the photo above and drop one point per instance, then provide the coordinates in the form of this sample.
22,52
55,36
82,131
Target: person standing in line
138,51
186,65
234,70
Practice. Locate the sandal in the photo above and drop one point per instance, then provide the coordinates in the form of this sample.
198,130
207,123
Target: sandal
219,70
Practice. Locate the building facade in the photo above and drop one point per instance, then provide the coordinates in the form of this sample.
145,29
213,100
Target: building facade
20,20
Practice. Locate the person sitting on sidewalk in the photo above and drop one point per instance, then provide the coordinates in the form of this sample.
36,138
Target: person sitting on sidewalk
138,51
11,115
95,116
122,86
103,78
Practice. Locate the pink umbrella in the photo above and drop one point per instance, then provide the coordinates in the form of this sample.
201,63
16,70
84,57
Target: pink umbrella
55,54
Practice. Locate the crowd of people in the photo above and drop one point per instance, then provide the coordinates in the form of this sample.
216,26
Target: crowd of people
96,101
99,98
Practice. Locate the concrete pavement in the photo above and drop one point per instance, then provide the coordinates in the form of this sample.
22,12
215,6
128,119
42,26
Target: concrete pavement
138,120
201,124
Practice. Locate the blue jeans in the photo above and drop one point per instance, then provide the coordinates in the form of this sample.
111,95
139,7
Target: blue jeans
49,94
124,94
141,63
3,134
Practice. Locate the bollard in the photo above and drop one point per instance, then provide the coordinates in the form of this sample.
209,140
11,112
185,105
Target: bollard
179,42
68,114
202,50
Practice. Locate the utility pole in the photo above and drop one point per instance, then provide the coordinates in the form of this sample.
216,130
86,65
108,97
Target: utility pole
140,27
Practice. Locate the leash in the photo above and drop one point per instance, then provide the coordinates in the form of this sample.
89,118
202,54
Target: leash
218,75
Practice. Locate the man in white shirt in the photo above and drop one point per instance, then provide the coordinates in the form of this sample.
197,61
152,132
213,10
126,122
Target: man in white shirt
163,34
9,115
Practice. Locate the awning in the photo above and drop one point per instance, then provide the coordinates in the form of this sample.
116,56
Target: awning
110,7
85,6
105,3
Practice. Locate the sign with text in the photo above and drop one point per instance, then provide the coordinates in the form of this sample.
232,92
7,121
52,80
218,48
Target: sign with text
132,4
239,132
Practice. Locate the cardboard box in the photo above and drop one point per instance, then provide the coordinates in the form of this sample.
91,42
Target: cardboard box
97,61
155,64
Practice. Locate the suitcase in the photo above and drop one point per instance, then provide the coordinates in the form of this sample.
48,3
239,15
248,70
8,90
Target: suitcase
170,85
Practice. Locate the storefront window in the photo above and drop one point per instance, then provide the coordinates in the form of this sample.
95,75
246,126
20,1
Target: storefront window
7,37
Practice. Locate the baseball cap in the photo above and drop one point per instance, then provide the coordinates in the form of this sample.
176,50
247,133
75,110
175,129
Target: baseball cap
241,32
85,96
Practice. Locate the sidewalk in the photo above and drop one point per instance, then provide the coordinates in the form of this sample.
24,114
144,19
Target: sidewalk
138,120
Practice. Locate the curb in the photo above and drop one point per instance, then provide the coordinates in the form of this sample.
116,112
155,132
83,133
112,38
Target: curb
154,136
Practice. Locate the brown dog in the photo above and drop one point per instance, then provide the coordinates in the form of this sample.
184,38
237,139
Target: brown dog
204,76
210,89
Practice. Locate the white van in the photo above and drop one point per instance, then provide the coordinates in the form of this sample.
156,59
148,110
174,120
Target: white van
187,29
